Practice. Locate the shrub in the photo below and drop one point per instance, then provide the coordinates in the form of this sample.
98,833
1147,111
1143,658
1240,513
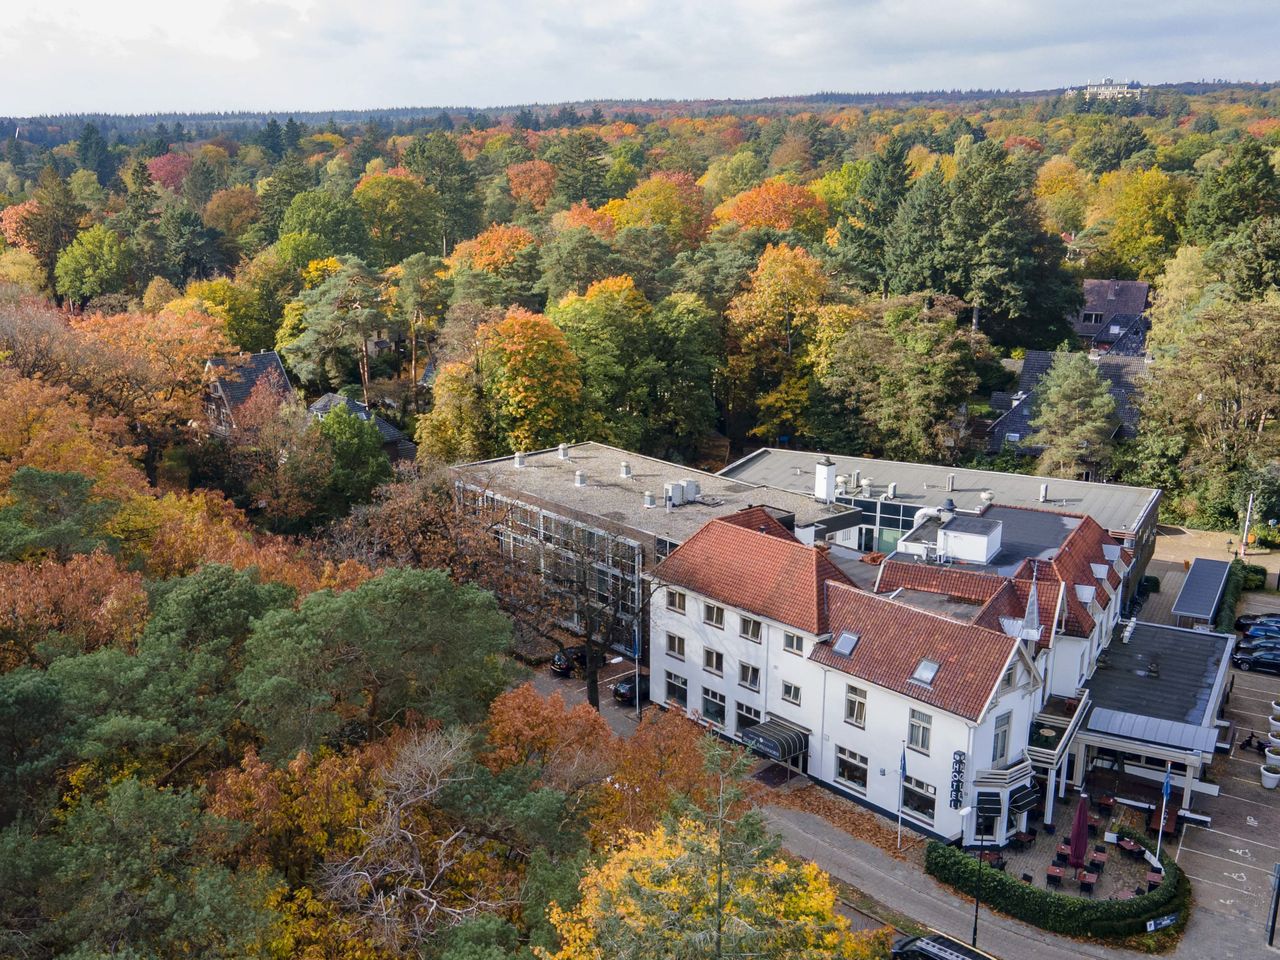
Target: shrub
1231,597
1060,912
1255,576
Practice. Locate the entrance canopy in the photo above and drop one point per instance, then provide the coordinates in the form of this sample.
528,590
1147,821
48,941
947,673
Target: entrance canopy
776,740
1202,590
1023,798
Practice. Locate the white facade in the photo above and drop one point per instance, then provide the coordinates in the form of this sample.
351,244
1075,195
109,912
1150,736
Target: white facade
855,747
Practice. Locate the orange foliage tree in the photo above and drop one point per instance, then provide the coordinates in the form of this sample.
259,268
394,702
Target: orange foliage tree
779,205
581,214
532,182
491,249
78,606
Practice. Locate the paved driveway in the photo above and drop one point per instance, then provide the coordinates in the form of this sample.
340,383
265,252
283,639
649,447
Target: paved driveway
621,719
1231,862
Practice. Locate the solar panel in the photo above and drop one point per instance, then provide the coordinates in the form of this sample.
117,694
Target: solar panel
845,643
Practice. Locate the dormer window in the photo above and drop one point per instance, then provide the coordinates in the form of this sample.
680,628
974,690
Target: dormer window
925,672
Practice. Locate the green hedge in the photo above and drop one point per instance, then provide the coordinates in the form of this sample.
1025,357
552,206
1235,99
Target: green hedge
1231,597
1255,576
1062,912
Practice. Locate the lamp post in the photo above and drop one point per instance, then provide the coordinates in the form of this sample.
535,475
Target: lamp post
977,891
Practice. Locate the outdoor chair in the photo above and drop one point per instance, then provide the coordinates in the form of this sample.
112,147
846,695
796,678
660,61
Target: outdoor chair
1099,848
1086,887
1027,878
1095,866
1053,881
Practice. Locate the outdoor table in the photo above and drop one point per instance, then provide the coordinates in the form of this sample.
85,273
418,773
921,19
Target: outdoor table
1098,859
1064,849
1128,846
990,856
1053,875
1024,837
1154,879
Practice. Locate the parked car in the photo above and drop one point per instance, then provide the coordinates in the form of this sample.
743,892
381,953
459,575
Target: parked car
1249,619
1268,661
1263,631
573,660
624,691
936,946
1253,646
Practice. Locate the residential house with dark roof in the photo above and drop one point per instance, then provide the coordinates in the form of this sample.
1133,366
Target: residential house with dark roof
1104,302
1124,376
230,381
768,641
395,442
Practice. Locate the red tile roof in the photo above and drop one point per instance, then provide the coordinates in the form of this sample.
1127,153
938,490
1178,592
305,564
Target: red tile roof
765,573
1011,602
760,520
894,637
971,585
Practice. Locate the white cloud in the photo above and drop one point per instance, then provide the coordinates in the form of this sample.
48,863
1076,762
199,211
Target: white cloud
147,55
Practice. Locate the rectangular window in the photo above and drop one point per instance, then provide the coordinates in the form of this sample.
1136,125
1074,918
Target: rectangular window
664,548
675,647
713,615
749,676
713,707
677,689
855,706
851,769
1092,319
918,799
791,692
1000,744
793,643
747,717
1007,680
918,731
675,601
713,662
749,628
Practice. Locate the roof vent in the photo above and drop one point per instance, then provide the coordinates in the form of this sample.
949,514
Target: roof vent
564,451
987,496
845,643
1044,492
893,491
650,500
519,458
857,478
579,478
624,470
951,485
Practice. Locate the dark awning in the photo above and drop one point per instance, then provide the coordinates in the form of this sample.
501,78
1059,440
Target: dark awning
775,740
989,804
1023,798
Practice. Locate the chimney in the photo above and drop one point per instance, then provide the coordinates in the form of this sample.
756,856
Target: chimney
948,508
1044,492
579,478
519,459
564,451
824,481
624,470
650,501
893,491
951,482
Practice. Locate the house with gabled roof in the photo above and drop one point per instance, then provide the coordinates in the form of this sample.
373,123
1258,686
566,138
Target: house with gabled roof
395,442
767,641
1104,302
231,381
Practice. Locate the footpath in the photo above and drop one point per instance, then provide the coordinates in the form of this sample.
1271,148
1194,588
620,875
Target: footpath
908,891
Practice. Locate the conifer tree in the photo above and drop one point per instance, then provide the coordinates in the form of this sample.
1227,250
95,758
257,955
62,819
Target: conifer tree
1075,417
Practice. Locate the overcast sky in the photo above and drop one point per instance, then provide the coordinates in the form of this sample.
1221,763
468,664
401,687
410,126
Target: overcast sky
139,56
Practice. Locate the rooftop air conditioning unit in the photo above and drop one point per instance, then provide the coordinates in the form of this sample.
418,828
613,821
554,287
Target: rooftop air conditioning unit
579,478
674,493
691,490
650,501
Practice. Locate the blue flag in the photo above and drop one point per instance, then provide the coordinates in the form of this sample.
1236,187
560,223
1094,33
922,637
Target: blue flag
1168,782
902,770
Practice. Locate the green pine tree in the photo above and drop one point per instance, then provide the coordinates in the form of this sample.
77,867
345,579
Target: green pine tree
1074,421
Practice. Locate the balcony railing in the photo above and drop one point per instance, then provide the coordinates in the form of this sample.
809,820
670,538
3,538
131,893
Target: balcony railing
1010,774
1053,728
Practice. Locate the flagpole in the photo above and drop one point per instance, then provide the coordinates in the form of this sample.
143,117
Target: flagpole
1164,802
902,780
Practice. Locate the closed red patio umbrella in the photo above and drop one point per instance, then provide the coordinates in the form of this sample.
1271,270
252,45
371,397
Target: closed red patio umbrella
1080,832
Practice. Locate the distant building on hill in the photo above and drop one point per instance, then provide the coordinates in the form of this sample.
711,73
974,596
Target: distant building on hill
1110,89
1108,304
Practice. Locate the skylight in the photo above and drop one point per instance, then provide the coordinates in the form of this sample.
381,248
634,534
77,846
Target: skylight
845,643
925,672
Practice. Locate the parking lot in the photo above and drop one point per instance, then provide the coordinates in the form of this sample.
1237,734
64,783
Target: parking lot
621,717
1230,863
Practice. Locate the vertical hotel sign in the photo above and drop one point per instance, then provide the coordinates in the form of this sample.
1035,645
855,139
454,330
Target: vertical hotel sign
957,779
